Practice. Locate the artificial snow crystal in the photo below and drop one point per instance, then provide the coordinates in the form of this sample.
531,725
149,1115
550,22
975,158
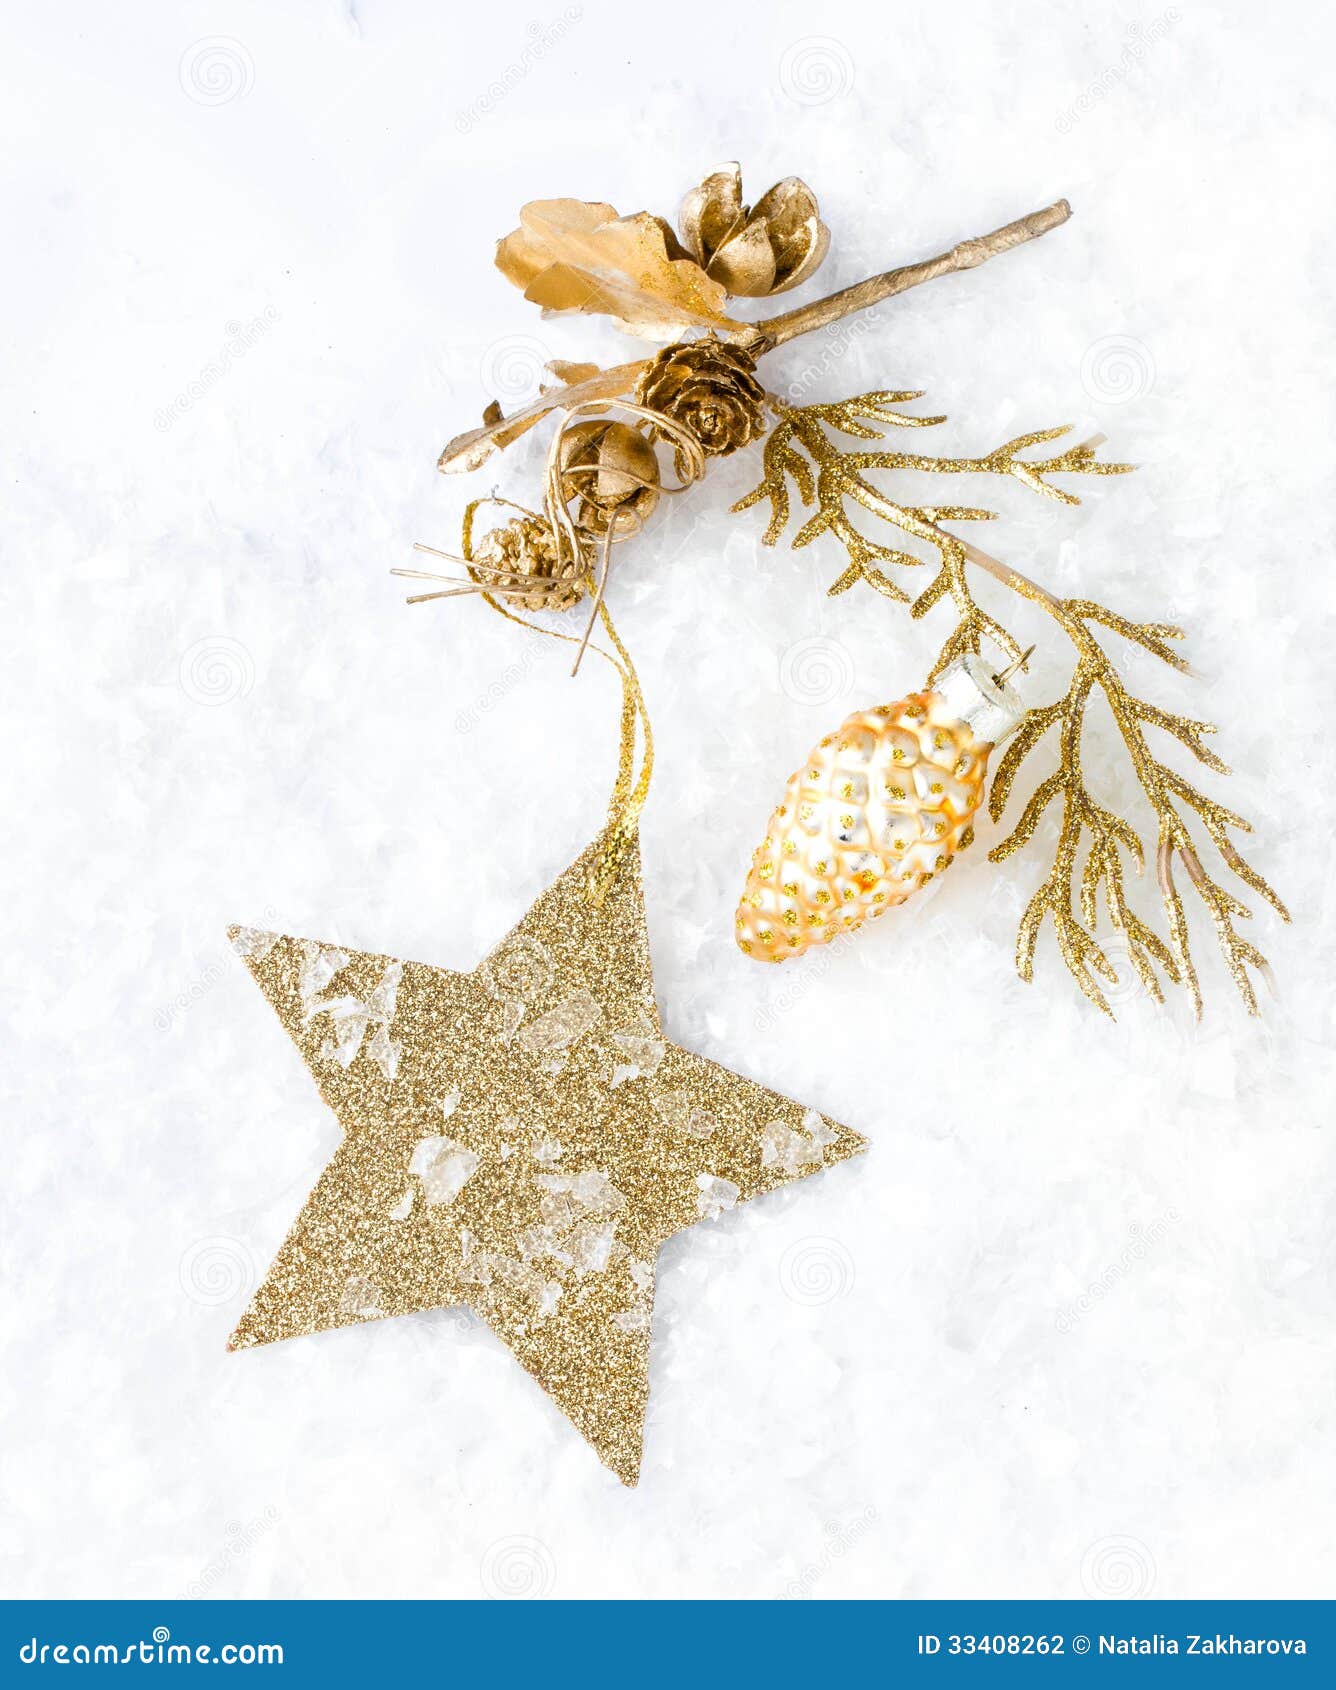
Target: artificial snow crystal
444,1167
715,1195
253,943
560,1026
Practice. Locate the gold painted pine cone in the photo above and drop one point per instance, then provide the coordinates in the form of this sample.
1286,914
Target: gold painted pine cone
611,473
878,809
529,572
774,245
709,387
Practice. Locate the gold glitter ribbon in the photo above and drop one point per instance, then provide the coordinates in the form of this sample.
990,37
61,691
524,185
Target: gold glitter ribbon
631,787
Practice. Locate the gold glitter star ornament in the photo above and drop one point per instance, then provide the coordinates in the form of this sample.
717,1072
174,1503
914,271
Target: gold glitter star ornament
519,1140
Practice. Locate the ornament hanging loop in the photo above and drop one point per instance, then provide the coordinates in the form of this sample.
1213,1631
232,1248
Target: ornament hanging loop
635,740
1020,663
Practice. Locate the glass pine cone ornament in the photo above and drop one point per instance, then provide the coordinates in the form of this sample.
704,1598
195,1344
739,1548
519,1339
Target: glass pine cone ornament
878,809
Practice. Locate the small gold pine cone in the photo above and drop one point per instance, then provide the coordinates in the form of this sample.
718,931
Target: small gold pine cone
878,809
710,388
610,471
530,573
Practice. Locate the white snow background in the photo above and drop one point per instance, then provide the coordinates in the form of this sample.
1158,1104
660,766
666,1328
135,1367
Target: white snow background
1068,1327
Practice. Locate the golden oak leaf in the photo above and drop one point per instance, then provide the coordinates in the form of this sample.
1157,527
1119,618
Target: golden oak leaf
572,255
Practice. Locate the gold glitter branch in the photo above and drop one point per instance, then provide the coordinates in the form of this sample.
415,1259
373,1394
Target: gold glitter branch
1107,836
829,474
1095,844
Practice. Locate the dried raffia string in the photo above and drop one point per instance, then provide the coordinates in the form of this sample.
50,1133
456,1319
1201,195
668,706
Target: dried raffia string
504,580
570,540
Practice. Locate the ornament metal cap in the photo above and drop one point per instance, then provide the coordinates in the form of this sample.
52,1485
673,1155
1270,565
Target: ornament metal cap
980,698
